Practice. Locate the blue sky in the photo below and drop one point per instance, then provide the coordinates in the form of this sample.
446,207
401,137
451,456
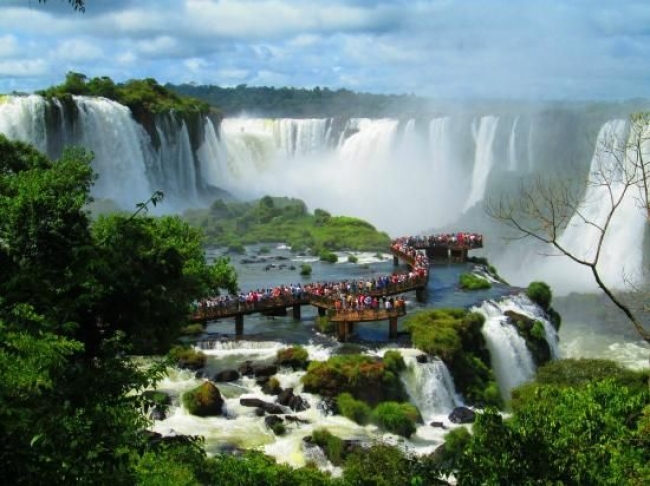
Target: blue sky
467,49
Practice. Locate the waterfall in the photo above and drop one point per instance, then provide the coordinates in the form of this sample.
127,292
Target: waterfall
484,137
512,147
431,388
23,118
108,129
621,255
511,360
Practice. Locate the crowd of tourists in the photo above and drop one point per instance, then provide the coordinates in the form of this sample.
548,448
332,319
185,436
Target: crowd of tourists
344,296
464,239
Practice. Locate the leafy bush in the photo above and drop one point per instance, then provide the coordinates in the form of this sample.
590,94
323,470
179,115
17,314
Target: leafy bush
187,357
471,281
333,446
328,256
204,400
237,248
355,410
540,293
399,418
352,259
297,357
305,270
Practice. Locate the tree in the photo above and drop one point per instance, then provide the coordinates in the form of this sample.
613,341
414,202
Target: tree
548,207
79,5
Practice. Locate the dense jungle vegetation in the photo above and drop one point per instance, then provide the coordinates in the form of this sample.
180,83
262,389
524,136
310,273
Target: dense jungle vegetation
287,102
137,94
281,219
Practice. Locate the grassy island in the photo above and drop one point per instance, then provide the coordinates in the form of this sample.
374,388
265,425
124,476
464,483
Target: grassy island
274,219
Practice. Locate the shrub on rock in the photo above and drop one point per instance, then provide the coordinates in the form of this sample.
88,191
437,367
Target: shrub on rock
187,357
399,418
204,400
296,357
355,410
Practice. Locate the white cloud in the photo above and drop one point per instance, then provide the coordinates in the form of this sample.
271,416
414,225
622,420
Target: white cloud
8,46
23,68
78,50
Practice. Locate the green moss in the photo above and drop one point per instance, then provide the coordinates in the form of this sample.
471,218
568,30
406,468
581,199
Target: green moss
534,334
364,377
352,259
186,357
295,357
540,293
471,281
328,256
399,418
355,410
204,400
394,361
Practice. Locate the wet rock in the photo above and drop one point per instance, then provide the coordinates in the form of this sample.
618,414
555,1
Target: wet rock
226,376
271,408
462,415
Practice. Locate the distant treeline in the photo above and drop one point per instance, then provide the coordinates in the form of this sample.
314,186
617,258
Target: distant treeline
289,102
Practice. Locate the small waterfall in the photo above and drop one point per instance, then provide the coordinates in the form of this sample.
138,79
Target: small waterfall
512,147
511,360
431,388
483,159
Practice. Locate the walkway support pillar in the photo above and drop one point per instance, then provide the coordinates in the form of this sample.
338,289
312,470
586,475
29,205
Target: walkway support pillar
420,294
239,325
296,312
392,329
350,328
341,331
395,261
321,311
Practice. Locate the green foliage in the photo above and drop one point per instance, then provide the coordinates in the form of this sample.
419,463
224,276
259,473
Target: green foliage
355,410
273,219
456,441
352,259
384,465
305,270
471,281
394,361
454,335
137,94
540,293
325,325
332,445
534,334
204,400
297,357
364,377
187,357
254,468
575,372
328,256
399,418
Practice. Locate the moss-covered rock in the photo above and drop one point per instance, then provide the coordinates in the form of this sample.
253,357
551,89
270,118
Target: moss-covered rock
332,446
187,357
365,378
296,357
204,400
454,335
533,333
353,409
399,418
471,281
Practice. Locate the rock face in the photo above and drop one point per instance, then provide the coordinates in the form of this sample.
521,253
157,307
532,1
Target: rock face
204,400
271,408
462,415
226,376
294,402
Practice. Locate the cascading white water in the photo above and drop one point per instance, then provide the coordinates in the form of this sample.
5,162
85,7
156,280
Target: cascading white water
23,118
108,129
512,147
484,158
431,388
511,360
